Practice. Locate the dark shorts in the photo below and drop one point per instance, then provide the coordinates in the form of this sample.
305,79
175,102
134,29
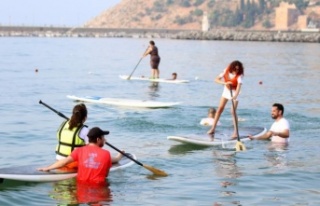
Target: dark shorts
154,62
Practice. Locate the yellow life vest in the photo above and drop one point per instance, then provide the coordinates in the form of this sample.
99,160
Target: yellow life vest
68,139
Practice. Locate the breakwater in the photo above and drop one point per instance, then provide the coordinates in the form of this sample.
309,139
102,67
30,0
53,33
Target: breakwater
216,34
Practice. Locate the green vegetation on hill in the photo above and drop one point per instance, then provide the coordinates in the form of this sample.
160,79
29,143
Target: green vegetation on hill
245,15
188,14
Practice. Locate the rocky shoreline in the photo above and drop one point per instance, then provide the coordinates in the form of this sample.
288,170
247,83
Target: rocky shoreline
223,35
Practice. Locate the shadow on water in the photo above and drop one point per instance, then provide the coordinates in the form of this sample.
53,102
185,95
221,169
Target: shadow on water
15,185
185,148
154,177
276,156
154,90
227,170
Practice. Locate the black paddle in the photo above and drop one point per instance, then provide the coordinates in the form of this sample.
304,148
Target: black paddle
136,66
59,113
239,146
134,69
152,169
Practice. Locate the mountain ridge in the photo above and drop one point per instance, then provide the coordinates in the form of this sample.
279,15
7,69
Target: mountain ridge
188,14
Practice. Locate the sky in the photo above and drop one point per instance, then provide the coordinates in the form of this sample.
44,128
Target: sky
51,12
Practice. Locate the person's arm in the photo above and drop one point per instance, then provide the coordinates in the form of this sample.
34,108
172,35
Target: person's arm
147,52
235,95
283,134
84,134
57,164
117,158
265,136
219,80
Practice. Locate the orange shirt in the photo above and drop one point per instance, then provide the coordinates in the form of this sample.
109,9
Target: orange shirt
94,163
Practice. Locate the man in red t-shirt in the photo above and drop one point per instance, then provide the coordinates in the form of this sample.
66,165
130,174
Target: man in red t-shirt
94,162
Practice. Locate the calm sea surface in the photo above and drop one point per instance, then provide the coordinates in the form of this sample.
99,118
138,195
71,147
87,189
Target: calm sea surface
262,175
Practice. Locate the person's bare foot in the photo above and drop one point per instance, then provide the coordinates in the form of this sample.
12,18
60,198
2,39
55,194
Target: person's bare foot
234,136
211,132
211,136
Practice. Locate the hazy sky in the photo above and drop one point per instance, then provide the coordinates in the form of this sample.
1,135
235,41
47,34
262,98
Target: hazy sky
51,12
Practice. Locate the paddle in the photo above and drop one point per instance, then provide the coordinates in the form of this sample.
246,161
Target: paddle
136,66
239,145
59,113
150,168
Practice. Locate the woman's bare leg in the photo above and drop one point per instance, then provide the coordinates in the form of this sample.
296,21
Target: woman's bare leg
222,104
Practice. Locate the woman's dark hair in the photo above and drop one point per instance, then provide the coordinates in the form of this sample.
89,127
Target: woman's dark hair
152,42
79,114
233,67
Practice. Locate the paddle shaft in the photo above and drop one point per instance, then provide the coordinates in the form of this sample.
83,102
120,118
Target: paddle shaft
124,154
137,65
235,115
135,68
59,113
107,143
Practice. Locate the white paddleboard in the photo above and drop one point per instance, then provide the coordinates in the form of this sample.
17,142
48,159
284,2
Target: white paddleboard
124,102
176,81
220,137
30,173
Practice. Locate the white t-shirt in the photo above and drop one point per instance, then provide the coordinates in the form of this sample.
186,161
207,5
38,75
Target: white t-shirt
279,126
208,121
226,92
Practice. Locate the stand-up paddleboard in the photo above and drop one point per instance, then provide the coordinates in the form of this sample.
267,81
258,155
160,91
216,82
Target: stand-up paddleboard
124,102
221,137
176,81
31,174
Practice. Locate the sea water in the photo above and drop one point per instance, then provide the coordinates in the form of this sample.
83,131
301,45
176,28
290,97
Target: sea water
48,69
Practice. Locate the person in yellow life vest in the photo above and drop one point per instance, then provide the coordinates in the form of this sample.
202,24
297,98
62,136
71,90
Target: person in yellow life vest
72,134
231,78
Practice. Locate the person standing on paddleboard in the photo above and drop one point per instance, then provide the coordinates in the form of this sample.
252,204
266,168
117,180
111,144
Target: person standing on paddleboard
280,129
231,78
94,162
72,133
154,59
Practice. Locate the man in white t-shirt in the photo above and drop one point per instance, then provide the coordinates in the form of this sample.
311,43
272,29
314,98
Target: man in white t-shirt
280,129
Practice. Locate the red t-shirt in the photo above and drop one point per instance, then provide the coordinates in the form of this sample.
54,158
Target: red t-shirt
94,163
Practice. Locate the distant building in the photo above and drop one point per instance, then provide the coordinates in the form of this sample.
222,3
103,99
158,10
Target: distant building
302,21
286,15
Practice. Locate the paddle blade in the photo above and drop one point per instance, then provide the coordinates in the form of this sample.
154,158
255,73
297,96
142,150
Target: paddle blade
155,171
240,146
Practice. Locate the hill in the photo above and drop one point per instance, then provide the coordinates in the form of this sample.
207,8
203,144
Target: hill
189,14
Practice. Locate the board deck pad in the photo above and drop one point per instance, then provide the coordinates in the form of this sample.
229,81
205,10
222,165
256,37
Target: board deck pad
124,102
221,137
176,81
30,172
